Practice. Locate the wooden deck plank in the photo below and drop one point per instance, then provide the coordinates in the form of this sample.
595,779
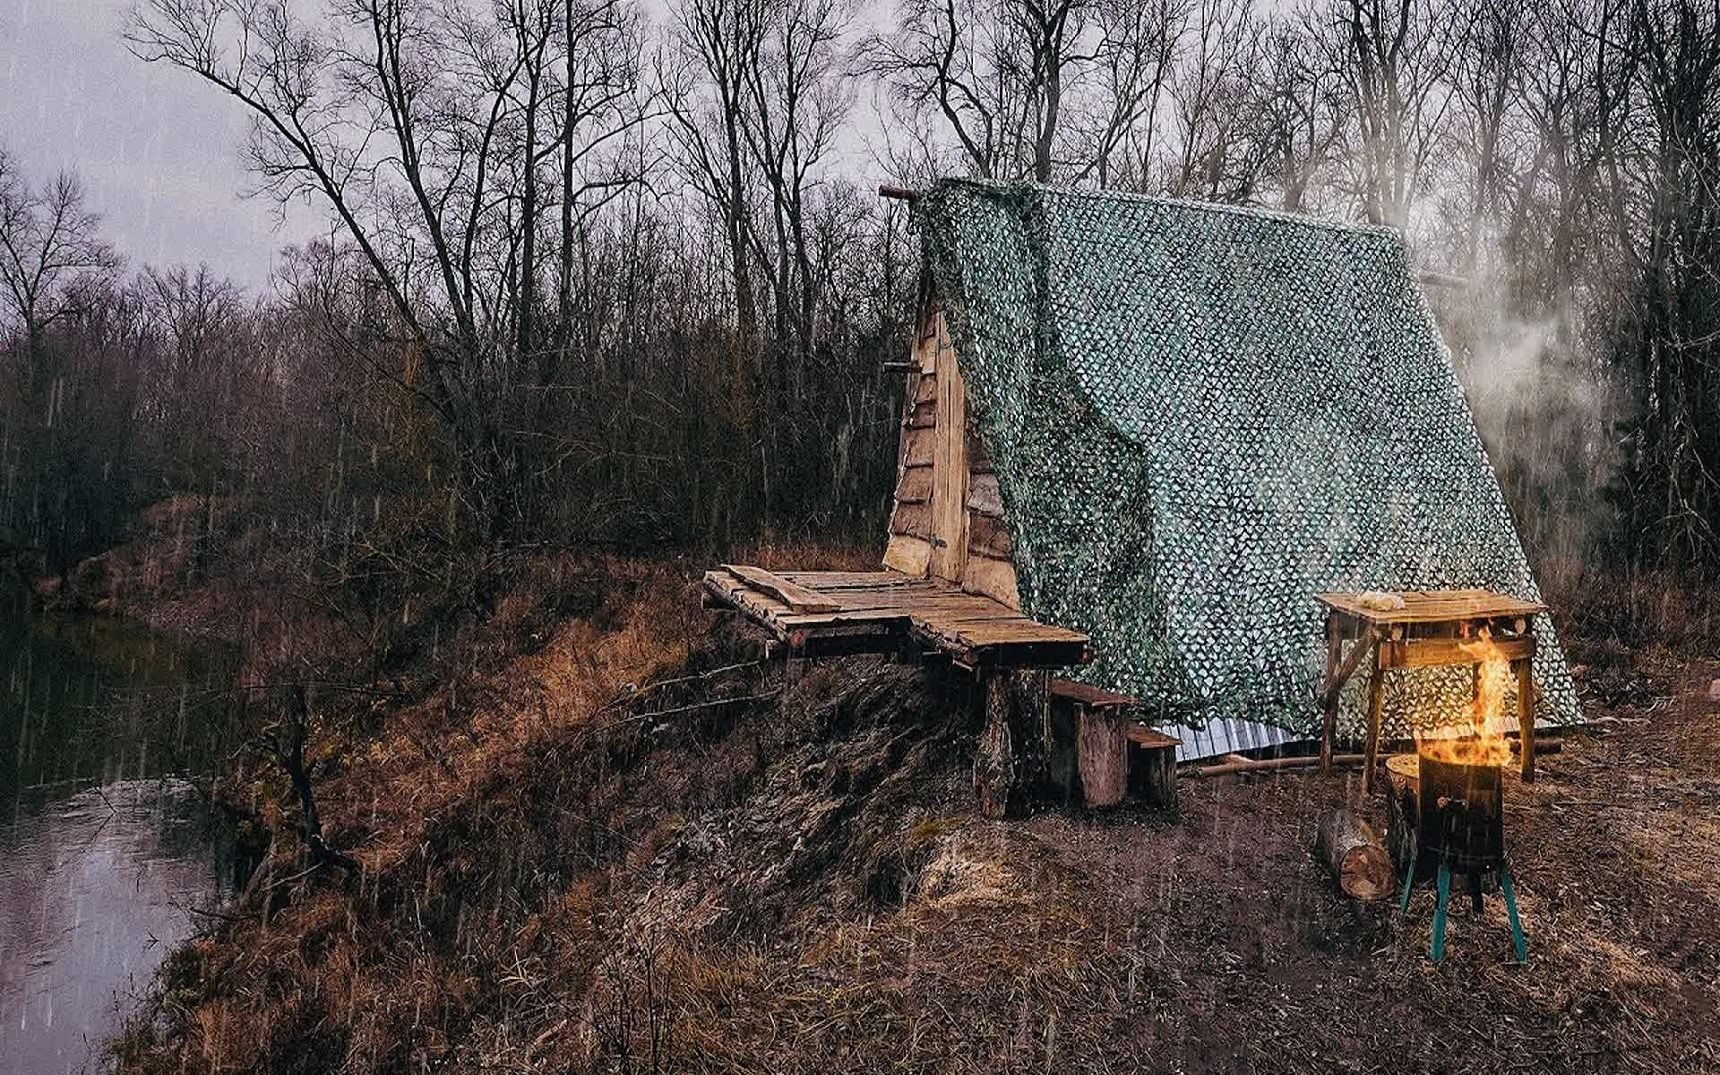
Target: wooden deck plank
819,579
971,628
795,596
1090,696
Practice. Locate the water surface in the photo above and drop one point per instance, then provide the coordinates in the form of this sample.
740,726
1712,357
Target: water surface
107,849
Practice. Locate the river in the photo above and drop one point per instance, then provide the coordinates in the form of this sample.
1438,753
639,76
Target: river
106,846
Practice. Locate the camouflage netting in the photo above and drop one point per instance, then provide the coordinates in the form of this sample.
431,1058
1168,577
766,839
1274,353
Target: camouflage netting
1200,417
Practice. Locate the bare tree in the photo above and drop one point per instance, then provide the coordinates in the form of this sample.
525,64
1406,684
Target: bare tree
1210,93
998,76
720,42
1394,56
419,127
1298,118
797,102
1117,123
50,243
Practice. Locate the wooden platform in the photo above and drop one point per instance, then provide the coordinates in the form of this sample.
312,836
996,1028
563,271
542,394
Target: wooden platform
823,613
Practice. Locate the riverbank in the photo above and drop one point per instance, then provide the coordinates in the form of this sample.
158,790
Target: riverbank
614,839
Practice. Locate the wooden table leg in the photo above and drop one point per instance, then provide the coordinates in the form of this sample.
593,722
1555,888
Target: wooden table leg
1376,699
1329,728
1526,716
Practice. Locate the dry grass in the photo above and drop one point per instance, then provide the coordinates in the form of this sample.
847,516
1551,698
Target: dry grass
563,874
1656,611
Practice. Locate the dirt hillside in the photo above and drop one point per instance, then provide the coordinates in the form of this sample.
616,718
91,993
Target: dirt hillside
580,858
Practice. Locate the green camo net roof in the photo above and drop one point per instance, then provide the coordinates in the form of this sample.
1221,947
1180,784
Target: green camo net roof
1201,416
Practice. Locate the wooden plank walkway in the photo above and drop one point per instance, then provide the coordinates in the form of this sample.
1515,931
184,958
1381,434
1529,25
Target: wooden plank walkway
818,613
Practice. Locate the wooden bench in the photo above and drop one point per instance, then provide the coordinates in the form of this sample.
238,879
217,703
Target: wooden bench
1114,756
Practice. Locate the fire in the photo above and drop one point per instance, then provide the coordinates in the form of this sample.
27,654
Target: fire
1479,739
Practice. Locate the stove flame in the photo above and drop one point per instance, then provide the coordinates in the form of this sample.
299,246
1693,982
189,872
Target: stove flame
1478,737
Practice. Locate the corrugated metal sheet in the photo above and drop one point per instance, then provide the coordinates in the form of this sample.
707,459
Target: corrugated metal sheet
1226,737
1240,736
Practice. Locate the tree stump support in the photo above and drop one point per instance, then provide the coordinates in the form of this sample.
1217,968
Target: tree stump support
1014,740
1153,767
1102,752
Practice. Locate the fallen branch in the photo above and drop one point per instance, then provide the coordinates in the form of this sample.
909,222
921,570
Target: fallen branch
626,698
696,706
223,915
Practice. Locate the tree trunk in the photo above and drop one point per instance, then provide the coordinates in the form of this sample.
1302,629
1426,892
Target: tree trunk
1010,761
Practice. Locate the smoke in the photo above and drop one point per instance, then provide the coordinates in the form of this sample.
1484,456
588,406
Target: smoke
1547,404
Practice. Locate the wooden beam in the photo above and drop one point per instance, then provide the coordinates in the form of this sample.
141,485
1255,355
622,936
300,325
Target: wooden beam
1376,706
796,597
1526,713
1270,765
1438,652
1329,698
1358,650
1435,278
1267,765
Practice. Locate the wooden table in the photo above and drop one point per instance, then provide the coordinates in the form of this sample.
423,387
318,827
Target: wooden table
1429,630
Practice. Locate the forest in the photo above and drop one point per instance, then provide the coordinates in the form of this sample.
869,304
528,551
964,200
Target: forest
606,292
599,276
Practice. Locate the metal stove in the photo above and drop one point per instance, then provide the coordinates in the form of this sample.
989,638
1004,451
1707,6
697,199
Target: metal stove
1447,818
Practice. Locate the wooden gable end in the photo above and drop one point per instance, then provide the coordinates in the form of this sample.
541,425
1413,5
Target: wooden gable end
948,519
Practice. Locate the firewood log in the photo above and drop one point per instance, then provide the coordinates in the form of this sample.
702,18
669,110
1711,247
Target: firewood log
1352,851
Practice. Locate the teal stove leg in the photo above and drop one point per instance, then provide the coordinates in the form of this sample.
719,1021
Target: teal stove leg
1439,912
1518,941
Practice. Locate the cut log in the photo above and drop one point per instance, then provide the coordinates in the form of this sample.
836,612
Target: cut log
1010,762
1153,767
1403,773
994,758
1352,851
1101,750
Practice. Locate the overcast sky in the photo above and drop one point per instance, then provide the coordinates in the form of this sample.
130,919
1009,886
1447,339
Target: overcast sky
158,150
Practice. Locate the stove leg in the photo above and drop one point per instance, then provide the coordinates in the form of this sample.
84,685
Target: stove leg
1474,879
1444,883
1518,941
1408,881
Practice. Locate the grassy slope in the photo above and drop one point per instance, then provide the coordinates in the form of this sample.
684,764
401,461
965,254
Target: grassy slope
562,871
